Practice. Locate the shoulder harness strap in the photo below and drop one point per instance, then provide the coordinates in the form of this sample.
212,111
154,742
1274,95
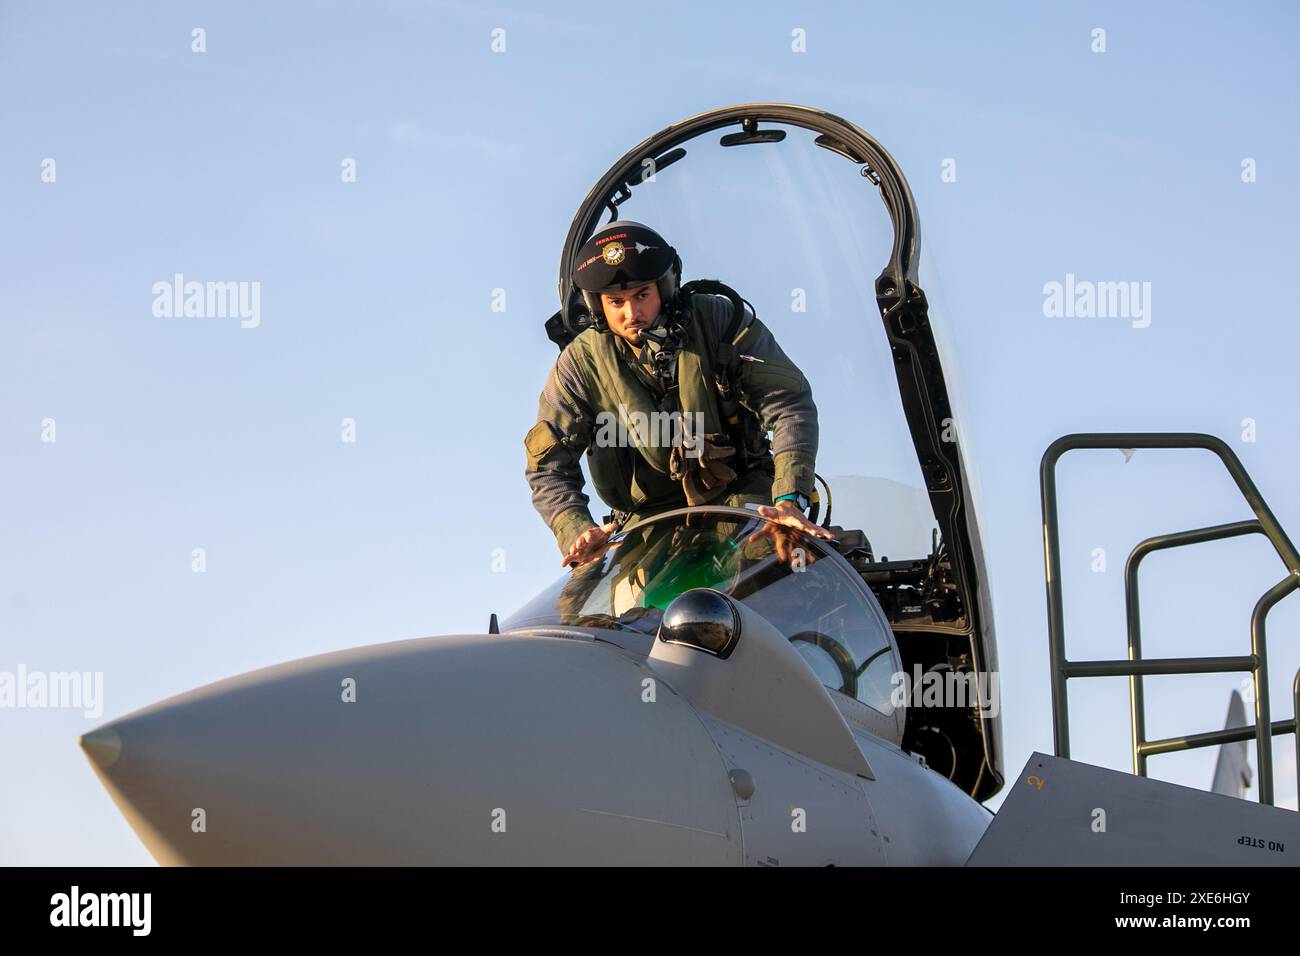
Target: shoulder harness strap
723,354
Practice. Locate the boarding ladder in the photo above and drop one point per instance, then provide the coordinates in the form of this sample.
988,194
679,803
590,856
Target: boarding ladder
1137,667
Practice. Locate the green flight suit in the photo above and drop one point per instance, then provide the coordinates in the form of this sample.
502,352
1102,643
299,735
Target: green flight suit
599,397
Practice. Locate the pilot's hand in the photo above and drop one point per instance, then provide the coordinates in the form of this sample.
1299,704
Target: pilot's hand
589,545
783,515
788,513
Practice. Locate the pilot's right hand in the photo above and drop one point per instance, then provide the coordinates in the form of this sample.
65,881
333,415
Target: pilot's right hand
589,545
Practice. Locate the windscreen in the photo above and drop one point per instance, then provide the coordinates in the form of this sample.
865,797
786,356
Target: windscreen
804,590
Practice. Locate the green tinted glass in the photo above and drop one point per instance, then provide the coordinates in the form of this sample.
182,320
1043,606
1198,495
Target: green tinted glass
710,560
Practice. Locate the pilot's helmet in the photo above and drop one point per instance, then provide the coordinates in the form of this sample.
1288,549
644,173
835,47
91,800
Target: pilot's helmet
623,255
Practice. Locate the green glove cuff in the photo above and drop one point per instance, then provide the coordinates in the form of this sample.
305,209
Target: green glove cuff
794,473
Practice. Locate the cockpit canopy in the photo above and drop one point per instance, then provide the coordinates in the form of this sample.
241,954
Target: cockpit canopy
801,586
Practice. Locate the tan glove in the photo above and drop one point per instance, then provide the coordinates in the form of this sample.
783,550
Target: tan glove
706,475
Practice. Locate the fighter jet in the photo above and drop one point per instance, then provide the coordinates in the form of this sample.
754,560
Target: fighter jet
712,689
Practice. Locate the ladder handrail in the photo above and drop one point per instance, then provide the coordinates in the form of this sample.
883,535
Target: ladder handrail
1137,698
1257,662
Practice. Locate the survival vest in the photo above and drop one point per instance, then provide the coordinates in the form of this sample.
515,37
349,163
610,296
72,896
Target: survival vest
628,457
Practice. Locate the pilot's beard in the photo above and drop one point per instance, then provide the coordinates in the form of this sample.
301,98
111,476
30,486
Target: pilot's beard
639,339
656,325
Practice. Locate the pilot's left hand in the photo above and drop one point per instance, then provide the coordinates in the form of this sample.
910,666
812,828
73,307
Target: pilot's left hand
788,513
782,515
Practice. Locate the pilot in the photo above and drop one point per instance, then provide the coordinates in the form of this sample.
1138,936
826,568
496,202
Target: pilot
671,393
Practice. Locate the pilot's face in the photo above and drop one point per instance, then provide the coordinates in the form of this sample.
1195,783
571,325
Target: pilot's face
631,311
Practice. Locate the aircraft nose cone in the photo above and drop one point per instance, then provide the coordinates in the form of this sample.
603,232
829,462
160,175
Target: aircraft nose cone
499,749
103,746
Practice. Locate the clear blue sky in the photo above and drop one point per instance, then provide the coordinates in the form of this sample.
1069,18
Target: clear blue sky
174,434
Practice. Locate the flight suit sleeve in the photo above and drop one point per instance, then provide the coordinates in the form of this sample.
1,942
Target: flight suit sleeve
775,390
554,447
